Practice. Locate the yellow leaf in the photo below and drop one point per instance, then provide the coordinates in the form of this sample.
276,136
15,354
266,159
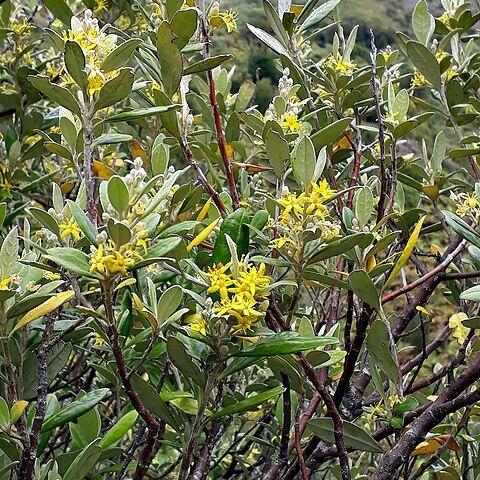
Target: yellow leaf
431,191
435,249
371,263
17,410
407,251
204,210
429,447
137,150
67,187
46,307
296,9
202,235
102,170
138,301
125,283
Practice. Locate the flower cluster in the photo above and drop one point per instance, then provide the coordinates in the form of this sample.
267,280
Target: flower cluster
217,18
241,293
306,211
339,65
467,204
96,46
286,107
418,80
109,259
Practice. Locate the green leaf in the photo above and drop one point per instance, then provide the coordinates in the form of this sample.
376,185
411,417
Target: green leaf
170,59
59,150
183,361
86,226
268,40
71,259
118,194
120,56
75,409
75,63
462,228
328,135
303,161
423,23
319,14
55,93
463,152
284,343
378,344
60,10
235,226
3,211
140,113
168,303
337,247
363,203
406,406
207,64
119,429
184,25
111,139
9,252
45,220
248,404
4,413
84,461
363,286
425,61
116,89
275,22
278,152
355,437
152,400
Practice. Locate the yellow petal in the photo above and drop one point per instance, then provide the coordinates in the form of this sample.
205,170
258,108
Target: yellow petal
46,307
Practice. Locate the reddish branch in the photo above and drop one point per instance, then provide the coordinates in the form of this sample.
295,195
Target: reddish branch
202,178
218,120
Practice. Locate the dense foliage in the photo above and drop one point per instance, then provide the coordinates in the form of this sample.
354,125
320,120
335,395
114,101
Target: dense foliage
192,286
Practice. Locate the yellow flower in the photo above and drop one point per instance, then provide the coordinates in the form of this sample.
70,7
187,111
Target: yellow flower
70,227
141,240
322,191
460,330
253,281
418,80
98,260
118,263
219,280
50,275
241,307
196,323
291,123
101,6
4,283
99,341
229,19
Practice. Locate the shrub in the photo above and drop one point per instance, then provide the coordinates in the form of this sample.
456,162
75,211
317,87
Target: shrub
193,289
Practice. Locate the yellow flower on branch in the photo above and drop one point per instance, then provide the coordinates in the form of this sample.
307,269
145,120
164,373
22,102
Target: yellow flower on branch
196,323
70,228
460,331
229,20
291,123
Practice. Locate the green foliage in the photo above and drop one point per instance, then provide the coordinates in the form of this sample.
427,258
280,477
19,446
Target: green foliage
220,249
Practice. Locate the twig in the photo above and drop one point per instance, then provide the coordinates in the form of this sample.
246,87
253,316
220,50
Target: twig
381,127
216,115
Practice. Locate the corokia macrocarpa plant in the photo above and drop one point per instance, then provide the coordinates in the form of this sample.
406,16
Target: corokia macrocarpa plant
193,286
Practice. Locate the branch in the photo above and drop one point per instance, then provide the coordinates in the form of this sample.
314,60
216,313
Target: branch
218,121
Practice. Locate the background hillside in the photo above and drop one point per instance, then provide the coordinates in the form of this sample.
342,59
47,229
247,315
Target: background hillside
256,62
